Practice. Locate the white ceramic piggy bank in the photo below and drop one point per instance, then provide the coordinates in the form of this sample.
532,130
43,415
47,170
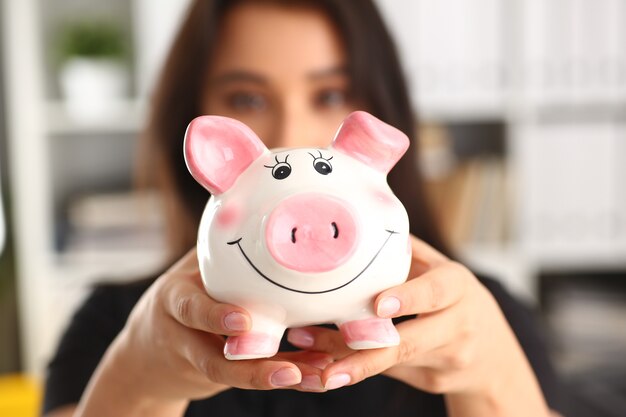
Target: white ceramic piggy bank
300,236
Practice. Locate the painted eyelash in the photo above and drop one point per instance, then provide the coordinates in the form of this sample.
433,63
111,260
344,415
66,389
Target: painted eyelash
319,157
278,162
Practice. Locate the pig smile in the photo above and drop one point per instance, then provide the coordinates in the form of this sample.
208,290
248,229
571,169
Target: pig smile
237,242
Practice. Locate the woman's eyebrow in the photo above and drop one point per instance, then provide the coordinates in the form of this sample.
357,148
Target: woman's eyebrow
238,76
327,72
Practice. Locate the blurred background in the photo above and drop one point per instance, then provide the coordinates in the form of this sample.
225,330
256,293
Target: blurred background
523,128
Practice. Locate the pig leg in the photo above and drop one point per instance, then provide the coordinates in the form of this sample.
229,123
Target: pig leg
262,341
369,333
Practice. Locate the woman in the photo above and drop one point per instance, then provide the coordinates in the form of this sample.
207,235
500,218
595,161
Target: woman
292,70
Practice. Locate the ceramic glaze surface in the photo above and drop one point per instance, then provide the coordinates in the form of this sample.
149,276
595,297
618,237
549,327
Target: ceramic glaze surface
300,236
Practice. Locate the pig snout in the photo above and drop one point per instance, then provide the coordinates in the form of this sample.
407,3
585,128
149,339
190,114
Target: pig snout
311,232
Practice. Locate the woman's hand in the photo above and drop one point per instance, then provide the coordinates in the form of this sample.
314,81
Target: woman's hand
460,344
171,351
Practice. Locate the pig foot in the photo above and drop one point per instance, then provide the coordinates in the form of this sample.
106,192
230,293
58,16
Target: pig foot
369,333
251,346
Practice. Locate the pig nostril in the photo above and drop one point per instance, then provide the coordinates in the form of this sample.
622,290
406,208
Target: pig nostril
293,234
336,234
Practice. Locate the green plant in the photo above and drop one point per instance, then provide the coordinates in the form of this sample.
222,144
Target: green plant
96,39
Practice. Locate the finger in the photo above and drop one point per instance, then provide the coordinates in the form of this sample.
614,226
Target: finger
455,356
311,365
421,336
262,374
439,372
435,290
424,257
318,360
319,339
189,304
418,338
205,352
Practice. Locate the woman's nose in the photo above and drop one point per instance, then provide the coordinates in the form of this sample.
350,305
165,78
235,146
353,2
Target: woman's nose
297,128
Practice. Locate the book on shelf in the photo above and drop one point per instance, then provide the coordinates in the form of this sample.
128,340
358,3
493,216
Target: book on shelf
114,222
470,197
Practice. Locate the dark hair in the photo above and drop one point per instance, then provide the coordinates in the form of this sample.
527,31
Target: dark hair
376,81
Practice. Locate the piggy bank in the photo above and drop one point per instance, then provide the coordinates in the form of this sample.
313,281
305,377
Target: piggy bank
300,236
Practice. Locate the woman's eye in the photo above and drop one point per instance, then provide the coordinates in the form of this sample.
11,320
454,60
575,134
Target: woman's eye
247,101
331,98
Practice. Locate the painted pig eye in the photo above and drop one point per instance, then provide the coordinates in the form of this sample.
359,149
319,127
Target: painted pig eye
321,164
323,167
281,170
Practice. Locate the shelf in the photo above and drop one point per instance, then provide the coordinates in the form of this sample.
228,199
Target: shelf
124,117
561,110
513,266
459,108
79,269
600,259
505,264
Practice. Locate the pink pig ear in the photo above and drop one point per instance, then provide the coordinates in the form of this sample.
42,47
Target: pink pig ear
218,149
371,141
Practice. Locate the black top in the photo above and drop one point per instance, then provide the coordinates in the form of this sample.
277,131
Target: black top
102,316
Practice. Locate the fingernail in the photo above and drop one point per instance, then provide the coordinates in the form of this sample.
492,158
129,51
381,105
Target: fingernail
388,306
236,321
285,377
337,381
300,338
312,383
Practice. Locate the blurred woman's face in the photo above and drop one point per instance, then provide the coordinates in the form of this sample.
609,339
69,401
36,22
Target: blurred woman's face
282,71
